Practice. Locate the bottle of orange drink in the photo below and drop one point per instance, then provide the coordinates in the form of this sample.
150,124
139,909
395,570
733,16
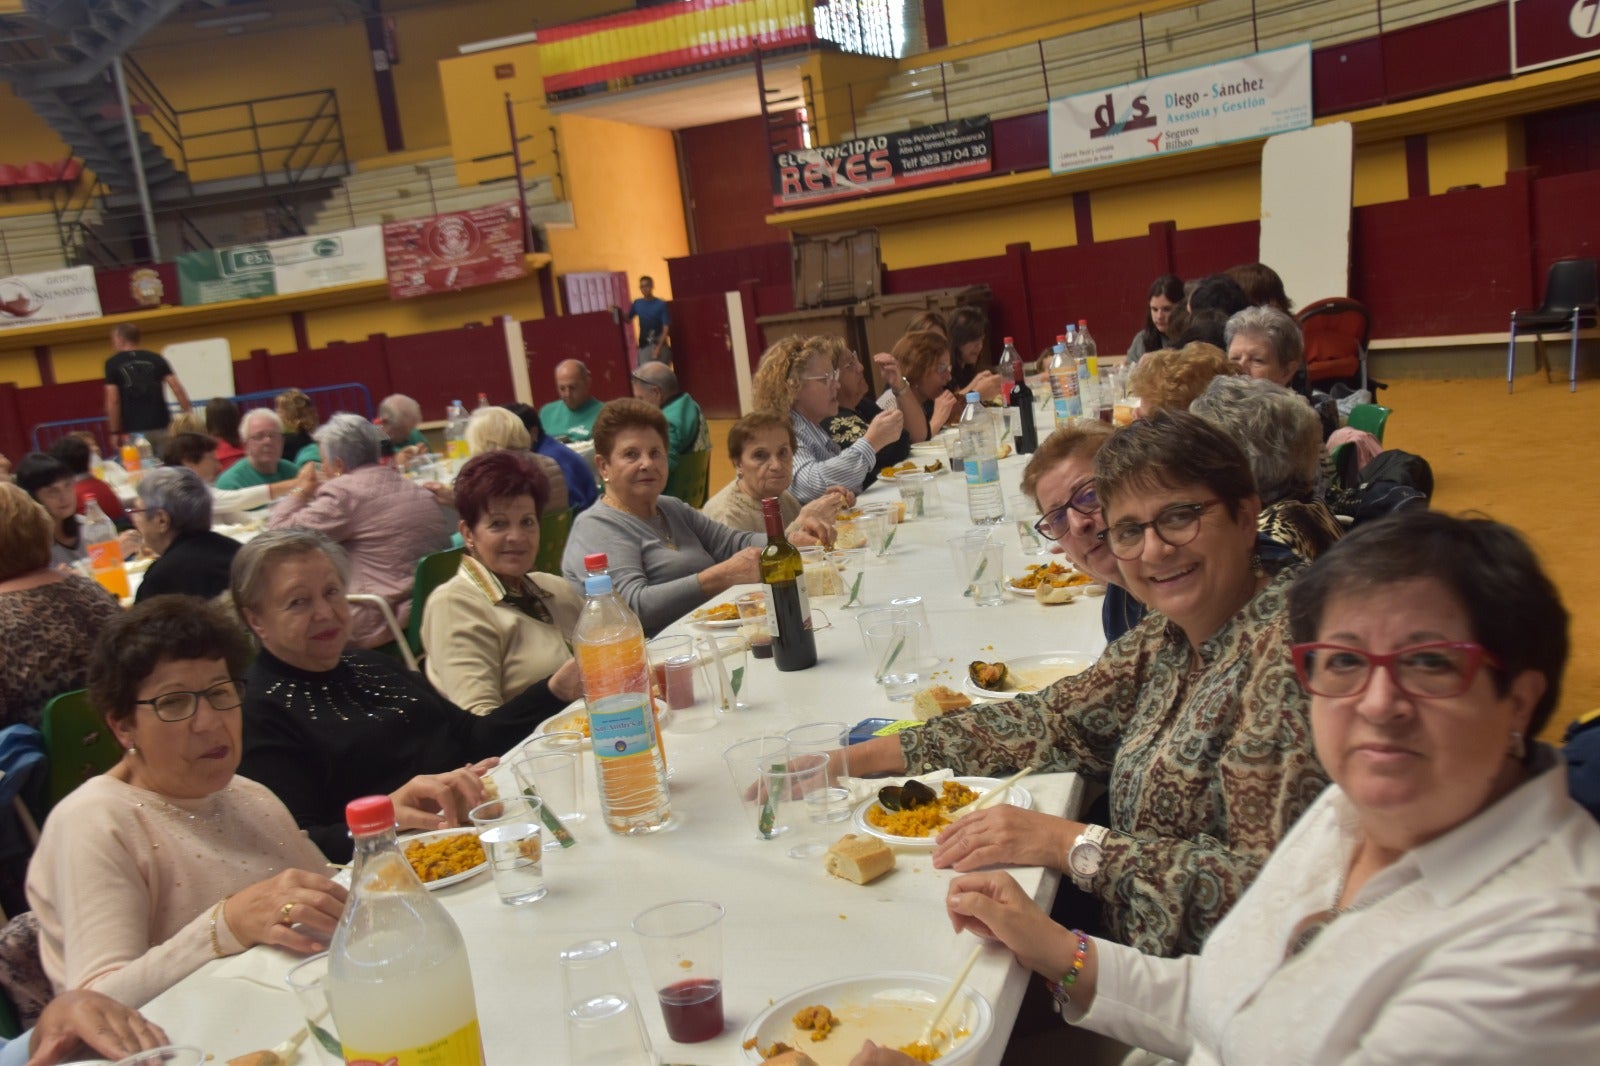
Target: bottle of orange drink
629,764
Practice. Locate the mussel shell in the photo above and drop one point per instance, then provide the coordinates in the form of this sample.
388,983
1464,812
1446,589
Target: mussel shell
911,795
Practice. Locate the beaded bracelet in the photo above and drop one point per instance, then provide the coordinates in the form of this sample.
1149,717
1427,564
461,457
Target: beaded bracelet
1060,990
216,944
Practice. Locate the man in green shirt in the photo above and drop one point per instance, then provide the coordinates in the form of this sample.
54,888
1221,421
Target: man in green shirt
399,416
571,417
686,426
261,432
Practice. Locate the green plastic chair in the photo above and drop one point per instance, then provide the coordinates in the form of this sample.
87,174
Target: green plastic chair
1370,417
553,530
78,742
691,481
432,571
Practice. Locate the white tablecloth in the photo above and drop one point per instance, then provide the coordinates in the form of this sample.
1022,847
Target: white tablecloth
789,925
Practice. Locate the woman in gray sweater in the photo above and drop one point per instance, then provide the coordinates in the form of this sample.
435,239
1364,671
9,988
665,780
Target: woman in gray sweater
665,557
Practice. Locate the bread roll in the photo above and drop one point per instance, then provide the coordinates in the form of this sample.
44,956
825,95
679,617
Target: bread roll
940,699
859,859
790,1058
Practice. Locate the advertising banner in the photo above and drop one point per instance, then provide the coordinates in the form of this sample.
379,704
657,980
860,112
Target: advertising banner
295,264
52,296
882,163
1547,32
1240,100
456,250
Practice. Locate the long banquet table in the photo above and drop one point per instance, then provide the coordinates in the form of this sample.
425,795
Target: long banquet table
789,924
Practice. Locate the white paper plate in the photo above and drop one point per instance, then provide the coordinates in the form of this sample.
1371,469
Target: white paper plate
568,720
730,623
1017,797
453,879
889,1008
1059,663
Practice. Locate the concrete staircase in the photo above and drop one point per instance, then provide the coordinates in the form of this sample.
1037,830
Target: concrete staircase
1013,81
382,194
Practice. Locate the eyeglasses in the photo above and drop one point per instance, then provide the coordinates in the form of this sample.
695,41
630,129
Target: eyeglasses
1175,526
1426,671
265,435
181,706
1054,524
830,377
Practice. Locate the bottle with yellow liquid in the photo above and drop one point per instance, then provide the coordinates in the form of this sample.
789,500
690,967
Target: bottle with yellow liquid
99,538
630,767
455,434
398,980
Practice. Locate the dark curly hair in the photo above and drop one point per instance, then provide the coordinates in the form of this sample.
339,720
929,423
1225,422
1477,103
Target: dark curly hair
160,629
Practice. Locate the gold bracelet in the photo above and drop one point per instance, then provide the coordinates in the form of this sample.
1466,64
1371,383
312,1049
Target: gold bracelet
216,944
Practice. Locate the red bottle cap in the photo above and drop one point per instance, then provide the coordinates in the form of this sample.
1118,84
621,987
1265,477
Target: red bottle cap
1008,340
597,561
369,814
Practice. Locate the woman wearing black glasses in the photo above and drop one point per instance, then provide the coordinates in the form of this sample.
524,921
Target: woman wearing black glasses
1439,903
169,859
1193,720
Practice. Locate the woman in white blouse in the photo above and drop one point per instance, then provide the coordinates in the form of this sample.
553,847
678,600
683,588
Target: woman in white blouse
1441,901
497,627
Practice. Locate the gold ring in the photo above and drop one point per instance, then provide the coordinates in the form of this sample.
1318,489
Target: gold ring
283,914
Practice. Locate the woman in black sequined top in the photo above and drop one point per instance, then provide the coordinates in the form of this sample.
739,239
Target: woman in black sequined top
325,724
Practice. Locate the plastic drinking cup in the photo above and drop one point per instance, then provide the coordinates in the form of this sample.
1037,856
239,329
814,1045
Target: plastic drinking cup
308,982
682,943
895,650
604,1026
830,802
513,839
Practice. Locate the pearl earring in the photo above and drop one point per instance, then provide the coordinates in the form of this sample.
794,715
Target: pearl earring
132,750
1517,749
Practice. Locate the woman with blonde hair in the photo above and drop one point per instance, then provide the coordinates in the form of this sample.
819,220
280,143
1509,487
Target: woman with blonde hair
798,380
1169,379
299,417
492,428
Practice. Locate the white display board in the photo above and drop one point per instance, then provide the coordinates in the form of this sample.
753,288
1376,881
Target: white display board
205,368
1306,181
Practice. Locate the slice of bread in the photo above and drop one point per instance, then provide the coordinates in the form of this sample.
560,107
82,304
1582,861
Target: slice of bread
859,859
940,699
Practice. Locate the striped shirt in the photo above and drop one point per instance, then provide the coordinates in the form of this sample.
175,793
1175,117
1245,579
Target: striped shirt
819,463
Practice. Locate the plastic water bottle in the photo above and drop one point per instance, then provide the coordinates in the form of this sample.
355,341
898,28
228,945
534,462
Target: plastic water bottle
629,764
105,551
1088,371
483,401
147,454
455,434
985,500
398,979
1009,357
1063,374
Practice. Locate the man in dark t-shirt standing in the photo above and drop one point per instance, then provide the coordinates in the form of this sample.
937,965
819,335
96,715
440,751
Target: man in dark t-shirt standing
655,345
134,400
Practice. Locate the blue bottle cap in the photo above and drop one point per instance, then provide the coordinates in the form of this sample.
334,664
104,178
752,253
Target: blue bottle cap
973,397
597,584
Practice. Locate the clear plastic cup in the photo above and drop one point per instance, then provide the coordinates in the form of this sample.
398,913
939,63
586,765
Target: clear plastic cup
747,760
604,1026
831,802
513,839
308,982
553,777
895,649
727,674
754,623
682,943
983,565
851,566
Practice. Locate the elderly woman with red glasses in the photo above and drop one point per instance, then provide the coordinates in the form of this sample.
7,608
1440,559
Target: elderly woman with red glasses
1193,720
1439,903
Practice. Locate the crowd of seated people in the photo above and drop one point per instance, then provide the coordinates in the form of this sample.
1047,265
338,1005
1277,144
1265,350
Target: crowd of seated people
1257,651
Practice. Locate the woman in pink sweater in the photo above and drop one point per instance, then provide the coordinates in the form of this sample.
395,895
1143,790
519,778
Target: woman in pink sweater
169,859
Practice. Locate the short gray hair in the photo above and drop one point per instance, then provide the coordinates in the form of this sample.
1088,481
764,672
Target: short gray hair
255,562
583,368
661,376
399,406
350,439
259,414
178,491
1280,329
1280,434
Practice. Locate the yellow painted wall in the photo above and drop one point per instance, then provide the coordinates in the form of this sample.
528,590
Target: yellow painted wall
1471,155
1380,173
976,26
626,203
842,87
974,235
19,368
1204,198
25,136
474,109
398,318
428,35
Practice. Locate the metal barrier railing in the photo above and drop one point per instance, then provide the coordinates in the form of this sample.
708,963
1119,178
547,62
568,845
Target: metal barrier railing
327,399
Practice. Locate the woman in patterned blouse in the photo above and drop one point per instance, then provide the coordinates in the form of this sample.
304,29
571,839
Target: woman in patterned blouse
1193,720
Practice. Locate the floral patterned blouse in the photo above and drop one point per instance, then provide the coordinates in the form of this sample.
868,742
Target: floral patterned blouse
1206,754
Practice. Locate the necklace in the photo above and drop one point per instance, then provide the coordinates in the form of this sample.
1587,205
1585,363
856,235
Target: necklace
657,522
1312,926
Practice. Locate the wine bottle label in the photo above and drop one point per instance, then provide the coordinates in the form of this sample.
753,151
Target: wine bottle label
621,725
464,1047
